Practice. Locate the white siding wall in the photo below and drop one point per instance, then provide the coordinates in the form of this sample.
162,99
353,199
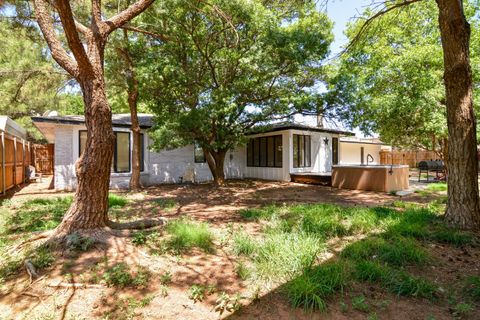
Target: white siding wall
321,152
350,153
64,161
166,166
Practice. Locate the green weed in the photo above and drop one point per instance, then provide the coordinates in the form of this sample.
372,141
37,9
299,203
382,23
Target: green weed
310,289
186,234
243,244
166,204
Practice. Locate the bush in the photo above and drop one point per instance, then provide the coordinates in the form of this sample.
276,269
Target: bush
41,258
310,289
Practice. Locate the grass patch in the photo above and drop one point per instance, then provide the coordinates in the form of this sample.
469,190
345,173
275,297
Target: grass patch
311,289
37,215
165,203
281,256
472,288
396,281
186,234
243,244
399,251
120,275
116,201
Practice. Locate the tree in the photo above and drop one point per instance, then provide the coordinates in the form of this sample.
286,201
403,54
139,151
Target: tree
228,65
463,208
30,83
122,78
85,63
390,83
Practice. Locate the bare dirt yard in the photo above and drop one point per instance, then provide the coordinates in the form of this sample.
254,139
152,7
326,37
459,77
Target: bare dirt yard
248,250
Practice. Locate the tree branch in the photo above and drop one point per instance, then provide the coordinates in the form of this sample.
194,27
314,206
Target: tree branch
369,21
70,30
126,15
58,52
158,36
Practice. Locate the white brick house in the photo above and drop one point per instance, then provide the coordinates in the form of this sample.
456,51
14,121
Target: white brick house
278,153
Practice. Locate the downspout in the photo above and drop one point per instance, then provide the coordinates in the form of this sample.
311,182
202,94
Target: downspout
3,164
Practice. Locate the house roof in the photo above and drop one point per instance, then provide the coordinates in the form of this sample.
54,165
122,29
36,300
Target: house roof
374,141
10,127
296,126
118,120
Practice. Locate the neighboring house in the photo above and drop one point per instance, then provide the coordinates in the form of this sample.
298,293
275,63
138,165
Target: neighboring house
272,154
356,150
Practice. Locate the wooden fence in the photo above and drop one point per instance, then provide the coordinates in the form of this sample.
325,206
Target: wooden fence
14,159
42,158
411,158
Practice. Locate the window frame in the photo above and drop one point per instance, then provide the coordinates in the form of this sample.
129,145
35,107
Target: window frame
304,152
253,152
141,146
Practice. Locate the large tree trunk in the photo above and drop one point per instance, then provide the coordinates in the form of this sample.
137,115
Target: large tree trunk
90,207
216,162
463,207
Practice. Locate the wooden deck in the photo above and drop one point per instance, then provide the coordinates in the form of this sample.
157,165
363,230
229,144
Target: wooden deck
324,179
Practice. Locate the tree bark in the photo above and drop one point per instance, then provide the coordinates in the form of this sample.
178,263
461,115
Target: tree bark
90,206
216,163
463,207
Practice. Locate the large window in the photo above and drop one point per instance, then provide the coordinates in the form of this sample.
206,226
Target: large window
301,151
265,152
121,153
198,154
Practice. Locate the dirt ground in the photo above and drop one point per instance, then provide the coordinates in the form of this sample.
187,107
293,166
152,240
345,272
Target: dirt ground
44,299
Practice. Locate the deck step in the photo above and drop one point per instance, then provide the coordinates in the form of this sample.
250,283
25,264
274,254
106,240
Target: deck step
321,179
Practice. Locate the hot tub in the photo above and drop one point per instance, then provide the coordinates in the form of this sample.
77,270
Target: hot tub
381,178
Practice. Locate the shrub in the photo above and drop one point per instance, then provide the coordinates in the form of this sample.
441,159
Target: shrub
42,258
77,242
310,289
186,234
118,275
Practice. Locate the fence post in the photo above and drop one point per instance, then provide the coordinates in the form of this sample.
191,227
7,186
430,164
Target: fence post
4,187
14,161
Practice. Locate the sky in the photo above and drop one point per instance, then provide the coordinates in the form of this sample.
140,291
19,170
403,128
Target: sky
340,12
